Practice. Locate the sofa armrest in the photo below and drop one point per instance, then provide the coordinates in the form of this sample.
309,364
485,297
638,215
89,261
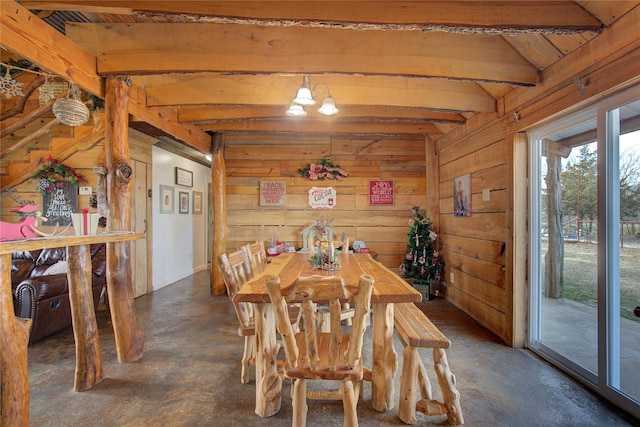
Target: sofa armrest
34,289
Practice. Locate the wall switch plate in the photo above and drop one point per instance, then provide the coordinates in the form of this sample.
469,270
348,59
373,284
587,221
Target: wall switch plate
486,194
84,191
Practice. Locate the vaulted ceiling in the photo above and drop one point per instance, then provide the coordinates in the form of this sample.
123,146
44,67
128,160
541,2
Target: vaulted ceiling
392,67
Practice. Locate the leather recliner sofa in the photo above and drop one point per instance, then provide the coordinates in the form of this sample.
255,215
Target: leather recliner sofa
41,292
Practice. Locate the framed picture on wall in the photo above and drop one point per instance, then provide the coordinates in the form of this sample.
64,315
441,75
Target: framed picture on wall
184,177
197,203
462,196
183,202
166,199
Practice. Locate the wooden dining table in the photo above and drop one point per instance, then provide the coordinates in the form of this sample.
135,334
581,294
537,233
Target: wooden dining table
388,289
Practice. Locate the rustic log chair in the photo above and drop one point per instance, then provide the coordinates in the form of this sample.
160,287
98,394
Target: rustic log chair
257,256
236,272
313,355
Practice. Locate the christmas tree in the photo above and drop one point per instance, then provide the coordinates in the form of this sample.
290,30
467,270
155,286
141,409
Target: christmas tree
422,260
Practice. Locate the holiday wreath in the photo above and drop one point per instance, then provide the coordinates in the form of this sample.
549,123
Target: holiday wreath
324,169
51,172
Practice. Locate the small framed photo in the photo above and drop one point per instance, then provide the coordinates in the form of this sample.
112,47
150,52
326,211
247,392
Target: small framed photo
166,199
183,202
197,203
462,196
184,177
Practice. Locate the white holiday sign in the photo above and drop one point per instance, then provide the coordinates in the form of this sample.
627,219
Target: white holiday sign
322,197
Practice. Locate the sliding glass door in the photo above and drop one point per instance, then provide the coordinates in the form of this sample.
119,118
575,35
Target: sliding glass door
585,246
623,272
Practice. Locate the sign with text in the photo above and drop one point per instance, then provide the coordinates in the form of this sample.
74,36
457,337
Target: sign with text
322,197
272,193
60,203
381,192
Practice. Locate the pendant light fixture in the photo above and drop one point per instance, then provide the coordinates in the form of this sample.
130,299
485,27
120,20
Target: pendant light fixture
296,110
304,98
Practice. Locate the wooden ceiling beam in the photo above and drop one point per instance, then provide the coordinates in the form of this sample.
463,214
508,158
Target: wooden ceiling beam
166,119
279,90
555,16
161,48
198,113
33,39
28,36
326,126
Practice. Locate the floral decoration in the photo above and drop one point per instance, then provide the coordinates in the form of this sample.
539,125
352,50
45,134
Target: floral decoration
323,261
322,170
51,174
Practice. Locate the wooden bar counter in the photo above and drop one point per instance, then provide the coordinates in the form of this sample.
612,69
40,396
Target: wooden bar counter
14,332
388,289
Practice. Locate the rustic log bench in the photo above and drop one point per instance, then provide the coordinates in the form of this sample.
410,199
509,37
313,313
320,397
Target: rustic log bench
416,330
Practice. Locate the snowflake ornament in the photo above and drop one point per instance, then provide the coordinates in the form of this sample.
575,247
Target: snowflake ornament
45,93
10,87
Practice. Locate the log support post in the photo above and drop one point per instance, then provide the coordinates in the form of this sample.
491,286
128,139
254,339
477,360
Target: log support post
128,335
220,229
14,338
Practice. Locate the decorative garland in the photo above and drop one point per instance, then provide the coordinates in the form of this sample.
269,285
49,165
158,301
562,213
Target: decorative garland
53,171
322,170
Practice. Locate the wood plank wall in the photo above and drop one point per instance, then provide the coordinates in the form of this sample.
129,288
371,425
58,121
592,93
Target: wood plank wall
250,158
474,247
479,251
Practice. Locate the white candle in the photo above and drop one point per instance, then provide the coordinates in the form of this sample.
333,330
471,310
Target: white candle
331,253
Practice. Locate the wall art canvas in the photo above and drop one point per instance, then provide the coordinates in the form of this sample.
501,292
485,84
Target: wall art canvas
272,193
381,192
462,196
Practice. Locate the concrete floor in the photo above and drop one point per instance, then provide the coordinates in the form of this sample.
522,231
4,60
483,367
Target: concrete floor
190,375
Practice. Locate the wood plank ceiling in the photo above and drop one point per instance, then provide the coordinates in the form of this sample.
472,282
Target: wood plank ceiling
392,67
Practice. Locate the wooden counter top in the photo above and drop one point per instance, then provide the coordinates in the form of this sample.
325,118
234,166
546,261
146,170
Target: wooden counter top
11,246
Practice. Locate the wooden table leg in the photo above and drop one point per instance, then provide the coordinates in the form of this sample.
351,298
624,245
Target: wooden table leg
385,361
268,382
14,339
85,327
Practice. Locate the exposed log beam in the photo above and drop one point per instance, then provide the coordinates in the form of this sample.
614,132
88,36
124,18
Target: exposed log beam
211,88
424,15
309,125
198,113
33,39
154,48
166,119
